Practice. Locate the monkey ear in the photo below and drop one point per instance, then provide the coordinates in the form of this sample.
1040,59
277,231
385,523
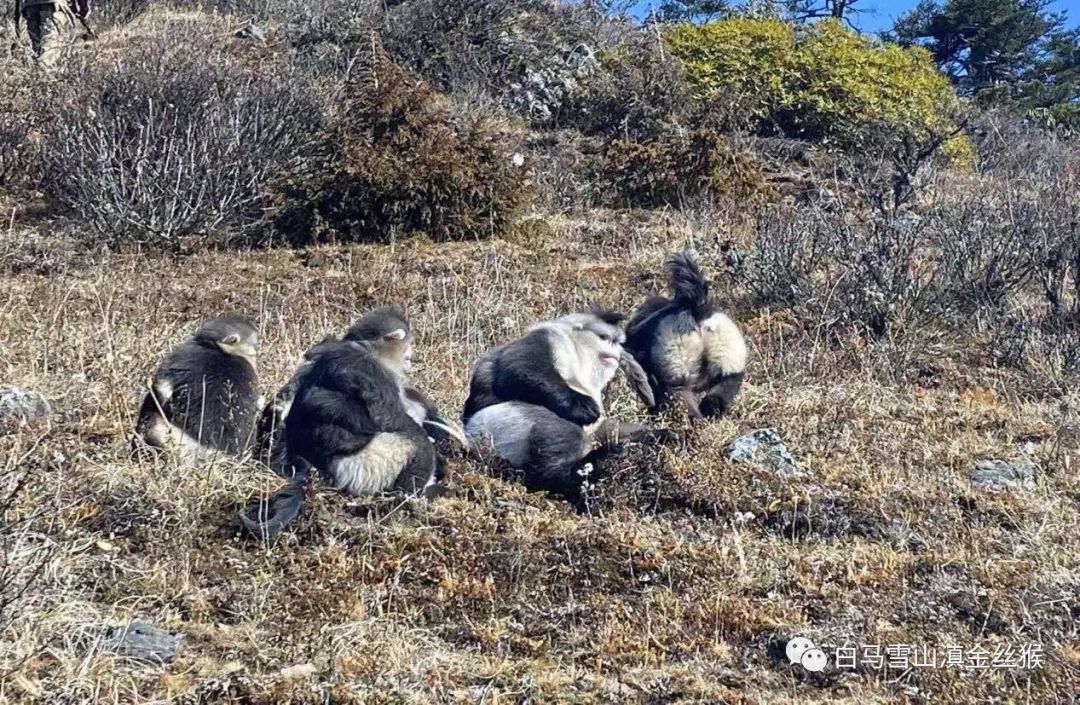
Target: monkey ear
398,334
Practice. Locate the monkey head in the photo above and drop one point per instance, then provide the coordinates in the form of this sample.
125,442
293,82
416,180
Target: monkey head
232,334
388,335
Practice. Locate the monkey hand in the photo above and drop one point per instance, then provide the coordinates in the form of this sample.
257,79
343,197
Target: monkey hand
582,410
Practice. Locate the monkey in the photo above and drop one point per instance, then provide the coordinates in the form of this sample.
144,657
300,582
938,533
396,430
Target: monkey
687,346
562,365
370,327
348,420
204,396
555,455
537,402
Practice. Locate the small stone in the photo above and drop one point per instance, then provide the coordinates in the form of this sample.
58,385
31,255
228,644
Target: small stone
142,641
253,32
764,447
297,672
22,406
995,476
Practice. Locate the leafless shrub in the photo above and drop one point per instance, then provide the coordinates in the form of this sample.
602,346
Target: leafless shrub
174,143
112,13
17,125
836,270
1047,351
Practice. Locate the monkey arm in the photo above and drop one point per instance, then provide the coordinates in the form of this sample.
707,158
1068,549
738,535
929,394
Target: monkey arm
156,402
636,377
523,377
440,429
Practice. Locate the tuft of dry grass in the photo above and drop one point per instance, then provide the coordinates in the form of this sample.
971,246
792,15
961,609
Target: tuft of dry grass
676,586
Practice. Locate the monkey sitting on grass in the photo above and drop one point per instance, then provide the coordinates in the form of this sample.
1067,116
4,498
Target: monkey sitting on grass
350,420
537,402
374,327
204,395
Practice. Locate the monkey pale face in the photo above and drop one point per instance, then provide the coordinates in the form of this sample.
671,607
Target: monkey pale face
598,336
389,335
396,350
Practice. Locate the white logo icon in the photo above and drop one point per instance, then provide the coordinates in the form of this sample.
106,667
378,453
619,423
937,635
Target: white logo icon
802,651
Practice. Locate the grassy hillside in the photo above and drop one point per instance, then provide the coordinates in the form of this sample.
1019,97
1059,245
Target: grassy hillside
907,315
495,595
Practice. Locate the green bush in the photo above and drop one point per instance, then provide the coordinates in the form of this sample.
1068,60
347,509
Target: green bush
673,170
749,61
820,82
398,159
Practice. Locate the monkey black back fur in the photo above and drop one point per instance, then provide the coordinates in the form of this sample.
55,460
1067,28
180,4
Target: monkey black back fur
204,395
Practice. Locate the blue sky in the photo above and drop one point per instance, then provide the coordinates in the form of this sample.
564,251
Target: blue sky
881,13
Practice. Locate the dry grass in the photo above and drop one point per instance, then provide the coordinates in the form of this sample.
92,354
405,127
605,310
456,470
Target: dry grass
674,590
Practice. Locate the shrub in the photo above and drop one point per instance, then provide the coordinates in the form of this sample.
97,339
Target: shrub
837,272
520,51
396,159
748,61
17,124
637,92
672,171
175,141
821,81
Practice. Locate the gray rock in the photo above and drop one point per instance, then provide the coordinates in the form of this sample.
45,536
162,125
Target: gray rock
764,447
253,32
142,641
1004,476
22,406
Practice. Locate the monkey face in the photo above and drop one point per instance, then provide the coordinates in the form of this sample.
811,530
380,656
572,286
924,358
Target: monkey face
389,335
233,335
396,348
598,335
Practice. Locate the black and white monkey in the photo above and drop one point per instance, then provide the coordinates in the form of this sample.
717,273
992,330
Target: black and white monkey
350,419
537,402
372,327
204,396
686,345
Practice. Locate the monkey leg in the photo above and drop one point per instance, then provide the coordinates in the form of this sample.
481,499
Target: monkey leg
421,471
721,396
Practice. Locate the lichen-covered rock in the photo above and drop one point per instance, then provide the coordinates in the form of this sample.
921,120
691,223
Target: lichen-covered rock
22,406
545,86
764,447
992,475
142,641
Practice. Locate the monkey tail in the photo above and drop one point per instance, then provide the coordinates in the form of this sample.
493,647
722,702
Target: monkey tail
688,284
265,518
